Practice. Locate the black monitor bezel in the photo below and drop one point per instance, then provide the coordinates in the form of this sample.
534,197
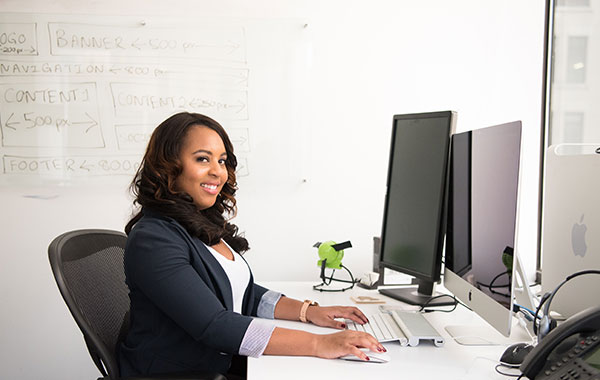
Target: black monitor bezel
449,260
434,273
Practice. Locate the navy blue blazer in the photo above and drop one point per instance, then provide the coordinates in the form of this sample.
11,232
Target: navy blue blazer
182,316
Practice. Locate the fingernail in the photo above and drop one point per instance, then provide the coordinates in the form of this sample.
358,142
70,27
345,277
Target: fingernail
379,349
343,325
368,358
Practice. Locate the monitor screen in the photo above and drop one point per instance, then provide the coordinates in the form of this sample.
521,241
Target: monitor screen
482,219
412,234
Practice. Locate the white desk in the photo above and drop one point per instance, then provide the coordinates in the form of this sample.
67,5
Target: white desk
452,361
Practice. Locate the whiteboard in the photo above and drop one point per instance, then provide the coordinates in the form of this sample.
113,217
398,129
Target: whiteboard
81,95
320,103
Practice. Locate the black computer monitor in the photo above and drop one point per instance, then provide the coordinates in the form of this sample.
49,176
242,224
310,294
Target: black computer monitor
413,220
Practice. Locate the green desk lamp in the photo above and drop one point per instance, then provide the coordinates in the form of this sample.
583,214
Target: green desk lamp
330,256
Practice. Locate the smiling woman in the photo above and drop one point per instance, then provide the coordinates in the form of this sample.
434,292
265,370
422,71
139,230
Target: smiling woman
192,293
174,145
203,166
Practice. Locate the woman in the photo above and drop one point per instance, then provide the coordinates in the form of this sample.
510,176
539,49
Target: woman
192,294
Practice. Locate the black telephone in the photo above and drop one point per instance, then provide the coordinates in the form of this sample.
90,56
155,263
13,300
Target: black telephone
569,351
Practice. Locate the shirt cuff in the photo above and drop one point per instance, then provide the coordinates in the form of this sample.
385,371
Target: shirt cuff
266,306
256,338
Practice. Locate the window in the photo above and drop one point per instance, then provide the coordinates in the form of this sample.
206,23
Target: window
576,59
572,130
573,3
574,86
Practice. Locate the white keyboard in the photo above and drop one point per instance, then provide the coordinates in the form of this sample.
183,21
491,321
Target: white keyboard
382,326
409,328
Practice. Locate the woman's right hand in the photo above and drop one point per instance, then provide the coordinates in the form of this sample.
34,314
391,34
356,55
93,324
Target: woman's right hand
346,342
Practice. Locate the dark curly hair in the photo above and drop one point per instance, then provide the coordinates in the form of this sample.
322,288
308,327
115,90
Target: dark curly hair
154,184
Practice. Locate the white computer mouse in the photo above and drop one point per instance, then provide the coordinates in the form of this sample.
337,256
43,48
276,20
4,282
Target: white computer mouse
375,357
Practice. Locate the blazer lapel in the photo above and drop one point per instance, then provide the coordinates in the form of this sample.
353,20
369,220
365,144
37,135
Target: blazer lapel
217,273
210,263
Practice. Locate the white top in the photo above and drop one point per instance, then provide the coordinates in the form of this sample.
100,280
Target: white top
238,273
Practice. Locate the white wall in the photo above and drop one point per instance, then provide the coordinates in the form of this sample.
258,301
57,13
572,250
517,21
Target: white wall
366,62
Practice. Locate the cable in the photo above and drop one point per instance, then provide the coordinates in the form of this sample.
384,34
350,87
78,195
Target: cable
422,309
524,308
463,304
529,314
526,315
507,374
491,285
537,311
549,296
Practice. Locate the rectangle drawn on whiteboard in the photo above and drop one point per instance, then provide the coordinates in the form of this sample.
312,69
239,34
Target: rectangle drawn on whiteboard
239,138
212,75
225,44
133,137
70,166
50,115
18,39
132,99
242,168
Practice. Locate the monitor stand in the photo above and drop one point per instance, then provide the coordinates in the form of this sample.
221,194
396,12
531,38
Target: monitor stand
523,296
469,335
421,295
486,335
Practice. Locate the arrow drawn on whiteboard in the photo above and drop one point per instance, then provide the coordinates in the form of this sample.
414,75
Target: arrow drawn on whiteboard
229,45
241,105
234,46
239,141
42,197
197,103
90,121
243,79
84,167
9,124
136,44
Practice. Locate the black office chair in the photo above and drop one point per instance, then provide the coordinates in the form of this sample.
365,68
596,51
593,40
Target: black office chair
88,268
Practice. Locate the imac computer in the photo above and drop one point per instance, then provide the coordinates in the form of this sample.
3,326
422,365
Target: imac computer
413,221
481,227
571,225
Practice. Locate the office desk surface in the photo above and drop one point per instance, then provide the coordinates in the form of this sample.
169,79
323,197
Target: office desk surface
426,361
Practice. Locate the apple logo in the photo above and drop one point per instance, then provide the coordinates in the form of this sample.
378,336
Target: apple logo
578,238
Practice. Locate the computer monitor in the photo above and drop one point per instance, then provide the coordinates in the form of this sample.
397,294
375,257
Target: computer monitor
482,223
413,223
571,225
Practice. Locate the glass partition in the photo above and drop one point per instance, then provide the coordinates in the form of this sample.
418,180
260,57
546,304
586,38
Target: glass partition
574,81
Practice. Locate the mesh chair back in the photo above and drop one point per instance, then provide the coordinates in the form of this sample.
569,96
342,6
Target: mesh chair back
88,268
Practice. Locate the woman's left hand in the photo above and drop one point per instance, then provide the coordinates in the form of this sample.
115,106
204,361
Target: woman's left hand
325,315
